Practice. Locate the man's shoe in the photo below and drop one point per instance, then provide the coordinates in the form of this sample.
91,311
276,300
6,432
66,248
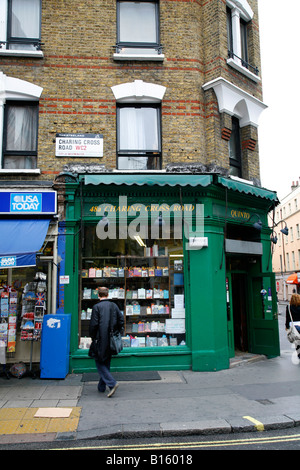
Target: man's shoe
112,390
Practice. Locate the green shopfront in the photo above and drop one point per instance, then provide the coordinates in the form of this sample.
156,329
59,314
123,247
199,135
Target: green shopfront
187,258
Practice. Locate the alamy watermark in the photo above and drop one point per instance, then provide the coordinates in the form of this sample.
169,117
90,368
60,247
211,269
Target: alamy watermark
155,221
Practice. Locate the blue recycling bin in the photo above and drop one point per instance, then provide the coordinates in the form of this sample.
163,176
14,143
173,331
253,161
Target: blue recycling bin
55,346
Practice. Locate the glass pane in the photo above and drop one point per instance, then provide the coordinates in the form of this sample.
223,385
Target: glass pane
234,171
138,129
229,31
25,22
137,50
137,22
21,128
146,282
19,163
234,142
138,163
244,46
22,47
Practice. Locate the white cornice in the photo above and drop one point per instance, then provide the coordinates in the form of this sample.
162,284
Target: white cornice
14,88
243,7
138,91
236,102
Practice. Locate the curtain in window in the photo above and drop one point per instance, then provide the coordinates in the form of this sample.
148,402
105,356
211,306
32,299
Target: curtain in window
19,163
137,22
244,45
25,21
21,128
138,129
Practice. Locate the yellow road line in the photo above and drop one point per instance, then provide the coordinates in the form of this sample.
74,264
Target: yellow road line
259,426
191,445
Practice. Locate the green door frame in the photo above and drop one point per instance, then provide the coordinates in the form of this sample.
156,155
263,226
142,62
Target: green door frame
230,328
262,323
264,334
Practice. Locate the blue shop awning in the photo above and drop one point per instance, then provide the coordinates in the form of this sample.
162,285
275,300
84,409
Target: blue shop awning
161,179
20,240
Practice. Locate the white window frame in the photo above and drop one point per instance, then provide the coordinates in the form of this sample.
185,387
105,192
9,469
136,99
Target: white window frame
18,90
240,9
3,37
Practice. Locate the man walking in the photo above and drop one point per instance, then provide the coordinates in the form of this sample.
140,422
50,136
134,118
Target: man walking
105,316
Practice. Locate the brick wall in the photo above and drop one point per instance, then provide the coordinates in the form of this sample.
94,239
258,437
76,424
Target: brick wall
78,70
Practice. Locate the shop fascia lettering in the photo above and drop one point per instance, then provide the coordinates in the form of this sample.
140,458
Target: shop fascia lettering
25,202
186,217
237,214
143,208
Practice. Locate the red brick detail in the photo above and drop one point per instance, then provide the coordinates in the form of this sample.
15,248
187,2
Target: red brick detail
225,133
249,144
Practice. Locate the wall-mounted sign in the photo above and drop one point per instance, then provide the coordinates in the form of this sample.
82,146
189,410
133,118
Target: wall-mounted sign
64,279
8,261
42,202
79,145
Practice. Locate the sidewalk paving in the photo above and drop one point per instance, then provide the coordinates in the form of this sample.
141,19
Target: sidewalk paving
255,394
251,396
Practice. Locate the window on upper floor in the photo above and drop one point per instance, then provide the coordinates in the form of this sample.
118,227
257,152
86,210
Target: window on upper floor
22,33
19,111
235,151
239,16
138,31
139,137
20,135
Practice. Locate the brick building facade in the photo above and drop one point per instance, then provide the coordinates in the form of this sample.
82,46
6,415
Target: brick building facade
77,69
174,88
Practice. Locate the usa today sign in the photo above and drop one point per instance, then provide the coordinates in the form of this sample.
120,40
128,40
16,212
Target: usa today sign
42,202
22,202
8,261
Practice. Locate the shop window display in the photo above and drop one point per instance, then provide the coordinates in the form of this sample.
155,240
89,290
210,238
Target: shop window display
146,282
23,304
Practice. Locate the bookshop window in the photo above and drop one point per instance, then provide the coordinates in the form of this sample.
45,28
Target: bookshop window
145,279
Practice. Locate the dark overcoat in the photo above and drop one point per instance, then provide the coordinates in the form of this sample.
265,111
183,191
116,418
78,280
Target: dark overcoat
99,328
295,311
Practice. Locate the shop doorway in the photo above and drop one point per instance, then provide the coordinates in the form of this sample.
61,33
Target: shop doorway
251,308
240,311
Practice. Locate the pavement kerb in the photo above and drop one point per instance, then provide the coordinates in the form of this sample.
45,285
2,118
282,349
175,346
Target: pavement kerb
232,425
203,427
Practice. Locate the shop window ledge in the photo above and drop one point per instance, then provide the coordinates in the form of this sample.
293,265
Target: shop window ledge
152,351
